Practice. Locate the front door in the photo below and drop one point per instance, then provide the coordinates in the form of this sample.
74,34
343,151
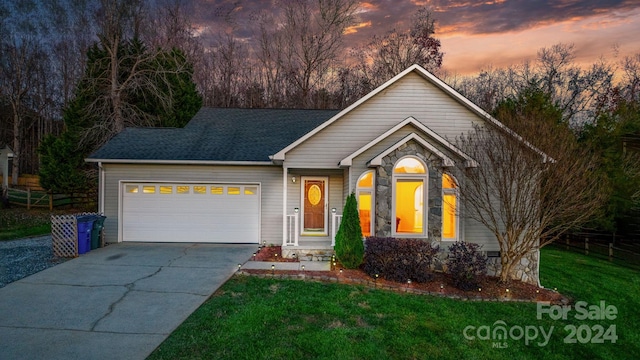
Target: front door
314,205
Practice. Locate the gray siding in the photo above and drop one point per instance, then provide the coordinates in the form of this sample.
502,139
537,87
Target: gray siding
477,233
410,96
269,177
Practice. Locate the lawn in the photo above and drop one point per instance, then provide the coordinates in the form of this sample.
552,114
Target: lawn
252,318
17,222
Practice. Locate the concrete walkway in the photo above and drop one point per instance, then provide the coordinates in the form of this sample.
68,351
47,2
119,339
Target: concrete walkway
118,302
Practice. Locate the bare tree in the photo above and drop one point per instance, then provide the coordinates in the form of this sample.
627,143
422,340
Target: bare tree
23,83
525,197
307,43
397,50
121,71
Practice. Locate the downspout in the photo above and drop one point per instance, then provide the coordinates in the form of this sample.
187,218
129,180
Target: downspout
101,185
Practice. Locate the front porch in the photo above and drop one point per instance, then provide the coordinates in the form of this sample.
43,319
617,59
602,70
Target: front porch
309,248
313,202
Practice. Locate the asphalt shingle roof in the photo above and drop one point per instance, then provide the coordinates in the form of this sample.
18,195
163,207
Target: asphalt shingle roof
217,134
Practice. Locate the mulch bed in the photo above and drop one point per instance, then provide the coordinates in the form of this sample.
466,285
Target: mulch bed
489,288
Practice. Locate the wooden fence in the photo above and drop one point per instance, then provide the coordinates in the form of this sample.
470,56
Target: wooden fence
40,199
611,247
26,181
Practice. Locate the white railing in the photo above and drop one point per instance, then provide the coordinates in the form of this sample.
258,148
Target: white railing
335,225
293,230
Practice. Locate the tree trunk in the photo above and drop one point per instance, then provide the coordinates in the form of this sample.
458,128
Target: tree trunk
15,168
505,269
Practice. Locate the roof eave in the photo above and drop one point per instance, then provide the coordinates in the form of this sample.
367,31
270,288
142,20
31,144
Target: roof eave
179,162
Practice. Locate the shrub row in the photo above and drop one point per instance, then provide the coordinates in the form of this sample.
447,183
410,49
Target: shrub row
411,259
399,259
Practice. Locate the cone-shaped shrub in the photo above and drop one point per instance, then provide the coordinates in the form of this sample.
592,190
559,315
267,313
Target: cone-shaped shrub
349,247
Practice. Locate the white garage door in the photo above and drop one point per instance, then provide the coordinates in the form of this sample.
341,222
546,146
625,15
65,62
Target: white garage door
174,212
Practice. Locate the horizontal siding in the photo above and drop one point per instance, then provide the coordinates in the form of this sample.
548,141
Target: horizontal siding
270,179
475,232
410,96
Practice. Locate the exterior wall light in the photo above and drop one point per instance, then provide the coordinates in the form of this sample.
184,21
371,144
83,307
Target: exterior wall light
296,210
293,179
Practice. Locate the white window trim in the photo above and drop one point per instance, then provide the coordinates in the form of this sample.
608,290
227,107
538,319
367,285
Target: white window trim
326,205
425,199
370,190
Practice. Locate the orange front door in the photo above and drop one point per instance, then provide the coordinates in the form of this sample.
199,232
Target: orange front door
314,206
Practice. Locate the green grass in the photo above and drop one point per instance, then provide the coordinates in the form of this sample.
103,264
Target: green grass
252,318
18,222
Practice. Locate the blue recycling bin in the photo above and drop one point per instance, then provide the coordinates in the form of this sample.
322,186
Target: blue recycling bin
85,224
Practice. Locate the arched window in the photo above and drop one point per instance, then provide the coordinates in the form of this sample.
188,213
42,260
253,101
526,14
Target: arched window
449,208
409,197
364,194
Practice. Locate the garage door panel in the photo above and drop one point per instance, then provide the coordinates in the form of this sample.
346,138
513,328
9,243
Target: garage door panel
191,213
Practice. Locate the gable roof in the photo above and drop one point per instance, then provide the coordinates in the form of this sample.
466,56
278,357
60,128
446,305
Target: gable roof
469,162
214,135
280,155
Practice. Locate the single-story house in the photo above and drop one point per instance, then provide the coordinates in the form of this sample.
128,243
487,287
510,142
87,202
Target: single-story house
281,176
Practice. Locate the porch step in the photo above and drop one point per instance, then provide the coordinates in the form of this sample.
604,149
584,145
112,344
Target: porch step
308,265
308,252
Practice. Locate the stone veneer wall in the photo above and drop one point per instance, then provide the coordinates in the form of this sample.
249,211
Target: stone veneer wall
384,189
526,270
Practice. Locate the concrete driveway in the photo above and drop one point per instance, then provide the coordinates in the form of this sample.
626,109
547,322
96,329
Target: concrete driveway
118,302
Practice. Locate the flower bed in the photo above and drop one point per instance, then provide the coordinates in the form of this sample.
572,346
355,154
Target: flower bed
489,288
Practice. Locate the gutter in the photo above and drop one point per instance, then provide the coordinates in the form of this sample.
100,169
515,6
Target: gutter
178,162
102,186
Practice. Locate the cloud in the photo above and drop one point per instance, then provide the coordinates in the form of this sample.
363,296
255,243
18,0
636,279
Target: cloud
500,16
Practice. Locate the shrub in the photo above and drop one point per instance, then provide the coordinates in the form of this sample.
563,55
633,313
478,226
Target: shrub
349,247
466,264
399,259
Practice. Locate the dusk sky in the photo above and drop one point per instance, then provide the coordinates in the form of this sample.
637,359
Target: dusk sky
475,34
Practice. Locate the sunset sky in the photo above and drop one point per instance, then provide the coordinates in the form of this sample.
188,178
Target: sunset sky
476,34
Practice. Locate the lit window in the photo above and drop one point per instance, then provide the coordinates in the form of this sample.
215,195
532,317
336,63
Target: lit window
364,194
366,180
449,208
166,189
199,189
132,189
217,190
250,190
182,189
409,194
409,165
231,190
149,189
